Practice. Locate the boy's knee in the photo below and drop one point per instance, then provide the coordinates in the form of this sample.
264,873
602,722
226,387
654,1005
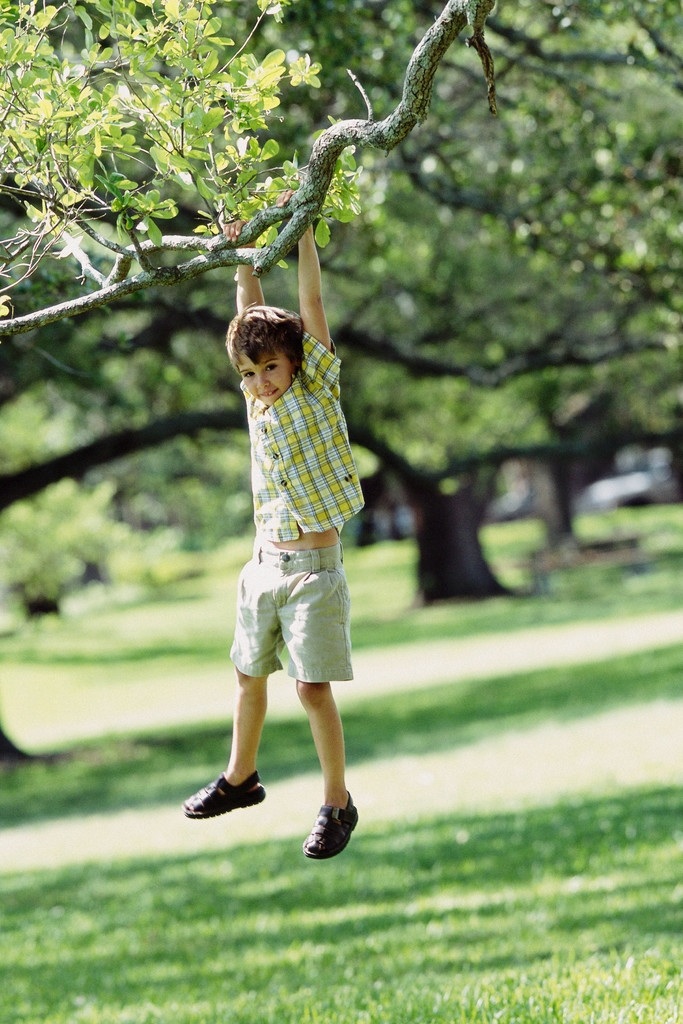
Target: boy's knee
312,693
250,682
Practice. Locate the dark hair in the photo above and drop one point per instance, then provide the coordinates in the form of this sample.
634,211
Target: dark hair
260,331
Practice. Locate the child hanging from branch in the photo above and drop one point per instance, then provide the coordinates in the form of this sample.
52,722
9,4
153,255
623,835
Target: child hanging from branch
293,592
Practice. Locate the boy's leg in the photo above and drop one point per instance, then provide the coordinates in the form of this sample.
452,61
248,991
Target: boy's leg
328,737
251,703
338,816
239,785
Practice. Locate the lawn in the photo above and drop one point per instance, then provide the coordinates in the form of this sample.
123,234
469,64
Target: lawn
571,913
554,909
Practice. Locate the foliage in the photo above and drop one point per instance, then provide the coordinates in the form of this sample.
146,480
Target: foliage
536,254
35,426
200,493
128,111
48,543
51,544
115,104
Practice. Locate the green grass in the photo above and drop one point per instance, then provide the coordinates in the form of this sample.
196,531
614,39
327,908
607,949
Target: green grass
572,913
562,911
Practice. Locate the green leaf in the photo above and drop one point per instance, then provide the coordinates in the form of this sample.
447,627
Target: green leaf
172,9
82,13
160,157
270,149
42,19
273,59
322,233
153,230
211,119
204,189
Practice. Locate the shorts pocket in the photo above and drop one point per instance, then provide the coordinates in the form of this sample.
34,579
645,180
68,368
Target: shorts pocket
322,596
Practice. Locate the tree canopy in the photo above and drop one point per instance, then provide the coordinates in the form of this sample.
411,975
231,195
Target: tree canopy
120,115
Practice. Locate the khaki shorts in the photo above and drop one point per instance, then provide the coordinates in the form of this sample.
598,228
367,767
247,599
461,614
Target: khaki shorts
299,600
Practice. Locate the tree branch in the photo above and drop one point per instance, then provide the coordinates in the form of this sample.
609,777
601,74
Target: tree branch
75,464
631,57
384,135
552,351
306,202
554,450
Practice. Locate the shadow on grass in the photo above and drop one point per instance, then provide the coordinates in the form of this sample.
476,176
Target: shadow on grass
446,899
197,651
166,767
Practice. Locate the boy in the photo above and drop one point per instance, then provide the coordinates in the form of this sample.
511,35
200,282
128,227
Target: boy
294,590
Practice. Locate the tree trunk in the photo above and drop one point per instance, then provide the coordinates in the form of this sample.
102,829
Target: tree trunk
9,753
552,499
451,562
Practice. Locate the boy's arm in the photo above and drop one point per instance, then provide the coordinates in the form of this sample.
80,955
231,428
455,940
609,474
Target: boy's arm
249,290
311,306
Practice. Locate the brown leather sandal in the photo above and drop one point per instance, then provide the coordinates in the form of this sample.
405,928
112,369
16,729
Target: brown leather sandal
331,831
219,797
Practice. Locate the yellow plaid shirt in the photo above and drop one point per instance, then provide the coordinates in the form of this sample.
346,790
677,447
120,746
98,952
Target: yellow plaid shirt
302,470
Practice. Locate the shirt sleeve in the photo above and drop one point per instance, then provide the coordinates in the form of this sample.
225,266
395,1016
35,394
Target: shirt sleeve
320,366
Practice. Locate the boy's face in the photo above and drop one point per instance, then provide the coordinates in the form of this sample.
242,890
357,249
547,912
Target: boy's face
268,379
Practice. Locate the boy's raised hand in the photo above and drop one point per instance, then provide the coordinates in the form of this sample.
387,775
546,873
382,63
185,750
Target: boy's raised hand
283,199
233,229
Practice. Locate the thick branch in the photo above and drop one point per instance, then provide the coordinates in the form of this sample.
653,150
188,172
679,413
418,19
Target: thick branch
76,463
307,201
384,135
550,451
551,351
